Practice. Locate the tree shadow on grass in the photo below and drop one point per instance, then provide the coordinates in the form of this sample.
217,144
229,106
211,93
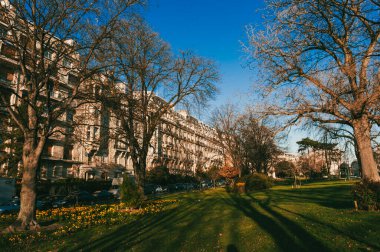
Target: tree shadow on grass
331,196
125,236
340,231
108,240
232,248
288,235
146,229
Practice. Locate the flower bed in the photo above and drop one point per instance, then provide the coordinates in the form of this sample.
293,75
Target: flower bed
72,219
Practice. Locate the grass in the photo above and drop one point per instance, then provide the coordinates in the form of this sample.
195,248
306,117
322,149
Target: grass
316,217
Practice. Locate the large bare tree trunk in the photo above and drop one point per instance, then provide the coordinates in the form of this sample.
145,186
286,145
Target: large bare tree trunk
28,195
26,218
362,130
139,169
358,158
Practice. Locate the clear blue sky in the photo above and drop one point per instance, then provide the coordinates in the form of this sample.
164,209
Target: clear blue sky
212,29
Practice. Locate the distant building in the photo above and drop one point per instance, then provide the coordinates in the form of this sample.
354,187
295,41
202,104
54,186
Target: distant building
355,169
286,156
316,159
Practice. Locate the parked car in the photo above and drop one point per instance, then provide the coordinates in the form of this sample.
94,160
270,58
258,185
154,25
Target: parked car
149,188
180,186
189,186
7,190
58,201
161,189
206,184
81,197
44,202
158,189
115,190
103,195
221,183
11,206
172,187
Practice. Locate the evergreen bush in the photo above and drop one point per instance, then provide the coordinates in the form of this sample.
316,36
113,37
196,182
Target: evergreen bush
258,181
130,194
367,195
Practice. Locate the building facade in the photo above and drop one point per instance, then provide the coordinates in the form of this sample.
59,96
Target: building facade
180,142
56,157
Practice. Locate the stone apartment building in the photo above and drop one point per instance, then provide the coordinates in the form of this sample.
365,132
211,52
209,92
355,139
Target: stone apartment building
183,143
57,155
180,142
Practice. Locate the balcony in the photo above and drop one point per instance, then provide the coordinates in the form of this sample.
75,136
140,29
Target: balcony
8,51
6,76
5,79
120,147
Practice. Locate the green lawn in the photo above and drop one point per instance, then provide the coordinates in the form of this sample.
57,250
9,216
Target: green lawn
317,217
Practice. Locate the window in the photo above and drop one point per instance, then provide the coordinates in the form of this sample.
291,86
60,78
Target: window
97,91
96,112
24,93
50,150
6,74
66,62
69,116
48,54
43,172
96,129
69,152
23,40
49,172
51,89
73,79
88,134
57,171
3,32
8,51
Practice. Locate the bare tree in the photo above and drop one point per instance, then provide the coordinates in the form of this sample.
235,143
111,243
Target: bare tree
51,44
149,81
247,143
320,61
258,142
225,121
345,133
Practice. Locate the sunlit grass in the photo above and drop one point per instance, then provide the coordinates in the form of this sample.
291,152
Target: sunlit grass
316,217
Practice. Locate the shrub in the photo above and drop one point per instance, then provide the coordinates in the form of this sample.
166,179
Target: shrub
158,175
130,194
257,181
367,195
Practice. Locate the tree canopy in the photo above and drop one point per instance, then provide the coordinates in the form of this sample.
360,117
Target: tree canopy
319,61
